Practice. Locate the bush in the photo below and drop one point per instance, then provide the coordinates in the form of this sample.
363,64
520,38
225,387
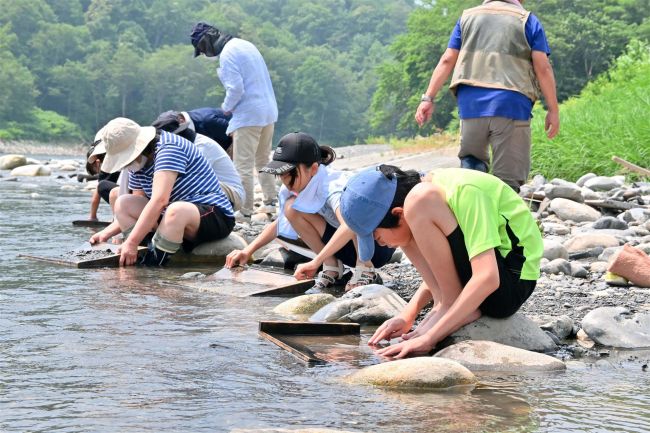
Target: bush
46,126
610,117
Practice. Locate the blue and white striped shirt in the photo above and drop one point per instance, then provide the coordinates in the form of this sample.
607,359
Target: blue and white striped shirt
196,181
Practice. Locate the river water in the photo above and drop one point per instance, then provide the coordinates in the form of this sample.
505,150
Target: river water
117,350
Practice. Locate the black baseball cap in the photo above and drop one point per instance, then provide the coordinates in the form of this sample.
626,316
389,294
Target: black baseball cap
294,148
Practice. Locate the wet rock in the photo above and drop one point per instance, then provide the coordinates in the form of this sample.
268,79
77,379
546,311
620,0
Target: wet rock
604,183
566,190
583,339
369,305
220,248
491,356
618,327
570,210
587,241
584,178
283,258
9,162
192,276
554,250
557,266
31,170
516,330
609,222
560,326
422,372
305,304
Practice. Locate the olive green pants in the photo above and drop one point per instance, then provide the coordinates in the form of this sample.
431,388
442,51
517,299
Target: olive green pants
510,143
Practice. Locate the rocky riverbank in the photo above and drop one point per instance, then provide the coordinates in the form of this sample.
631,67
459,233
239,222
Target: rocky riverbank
585,223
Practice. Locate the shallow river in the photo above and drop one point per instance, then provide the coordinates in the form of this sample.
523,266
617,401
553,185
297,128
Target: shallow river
115,350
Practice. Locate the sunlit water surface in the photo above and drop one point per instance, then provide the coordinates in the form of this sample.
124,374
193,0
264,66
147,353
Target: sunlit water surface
115,350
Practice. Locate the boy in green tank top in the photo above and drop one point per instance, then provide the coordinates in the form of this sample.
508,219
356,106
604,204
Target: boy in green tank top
469,235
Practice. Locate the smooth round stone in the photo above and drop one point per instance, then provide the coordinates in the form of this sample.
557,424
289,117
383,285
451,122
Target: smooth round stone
554,250
491,356
586,241
609,222
618,327
424,372
570,210
584,178
31,170
304,305
9,162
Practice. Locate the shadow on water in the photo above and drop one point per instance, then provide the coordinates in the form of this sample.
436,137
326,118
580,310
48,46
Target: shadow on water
117,350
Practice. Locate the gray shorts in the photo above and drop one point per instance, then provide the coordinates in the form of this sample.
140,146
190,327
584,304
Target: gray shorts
510,142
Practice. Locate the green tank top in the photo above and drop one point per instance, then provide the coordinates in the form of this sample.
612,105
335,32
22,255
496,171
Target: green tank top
491,215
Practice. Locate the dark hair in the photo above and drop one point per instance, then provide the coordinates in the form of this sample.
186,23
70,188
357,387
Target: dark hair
90,168
406,180
327,156
151,147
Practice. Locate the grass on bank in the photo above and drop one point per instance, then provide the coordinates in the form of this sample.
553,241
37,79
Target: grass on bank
610,117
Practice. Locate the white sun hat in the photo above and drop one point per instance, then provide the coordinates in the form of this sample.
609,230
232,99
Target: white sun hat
124,140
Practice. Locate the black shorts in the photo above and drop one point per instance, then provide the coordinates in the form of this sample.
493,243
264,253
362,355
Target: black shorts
104,188
214,225
348,254
512,291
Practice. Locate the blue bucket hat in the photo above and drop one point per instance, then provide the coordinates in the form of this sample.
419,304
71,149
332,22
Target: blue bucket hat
365,201
198,31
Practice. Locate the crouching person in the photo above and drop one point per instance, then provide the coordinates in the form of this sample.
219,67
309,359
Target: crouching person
469,235
175,193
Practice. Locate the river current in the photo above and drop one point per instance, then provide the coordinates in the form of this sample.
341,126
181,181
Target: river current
122,350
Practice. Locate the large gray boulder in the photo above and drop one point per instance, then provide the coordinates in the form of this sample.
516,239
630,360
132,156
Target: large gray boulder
9,162
571,210
31,170
220,248
516,330
369,305
491,356
618,327
304,305
423,372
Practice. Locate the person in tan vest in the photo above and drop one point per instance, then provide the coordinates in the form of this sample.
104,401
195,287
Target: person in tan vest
498,53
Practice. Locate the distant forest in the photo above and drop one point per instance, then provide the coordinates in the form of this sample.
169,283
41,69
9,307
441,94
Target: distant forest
342,70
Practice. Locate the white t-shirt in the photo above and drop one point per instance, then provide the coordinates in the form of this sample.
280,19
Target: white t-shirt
221,163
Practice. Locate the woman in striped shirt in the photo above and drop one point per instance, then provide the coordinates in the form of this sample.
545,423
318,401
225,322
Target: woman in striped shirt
175,193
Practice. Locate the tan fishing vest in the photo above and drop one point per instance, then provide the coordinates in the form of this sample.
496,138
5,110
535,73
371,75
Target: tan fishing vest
494,51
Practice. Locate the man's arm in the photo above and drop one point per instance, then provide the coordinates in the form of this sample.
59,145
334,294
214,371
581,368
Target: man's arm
544,73
233,82
440,75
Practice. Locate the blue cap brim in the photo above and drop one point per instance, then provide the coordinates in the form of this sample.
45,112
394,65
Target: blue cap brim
366,247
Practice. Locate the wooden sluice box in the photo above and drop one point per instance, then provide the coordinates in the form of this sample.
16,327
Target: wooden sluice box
90,223
253,280
91,256
303,339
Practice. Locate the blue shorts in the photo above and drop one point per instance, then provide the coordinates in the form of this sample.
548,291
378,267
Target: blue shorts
348,254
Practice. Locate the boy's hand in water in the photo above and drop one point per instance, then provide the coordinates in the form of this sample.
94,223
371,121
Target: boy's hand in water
392,328
415,346
307,270
237,258
98,238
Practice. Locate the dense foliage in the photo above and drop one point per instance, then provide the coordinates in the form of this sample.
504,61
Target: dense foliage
585,36
78,63
609,118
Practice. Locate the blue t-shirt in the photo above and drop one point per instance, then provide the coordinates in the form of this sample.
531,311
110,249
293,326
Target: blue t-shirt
483,102
196,181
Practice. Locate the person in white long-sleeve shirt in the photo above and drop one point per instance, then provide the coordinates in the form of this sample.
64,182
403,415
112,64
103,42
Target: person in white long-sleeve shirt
251,101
